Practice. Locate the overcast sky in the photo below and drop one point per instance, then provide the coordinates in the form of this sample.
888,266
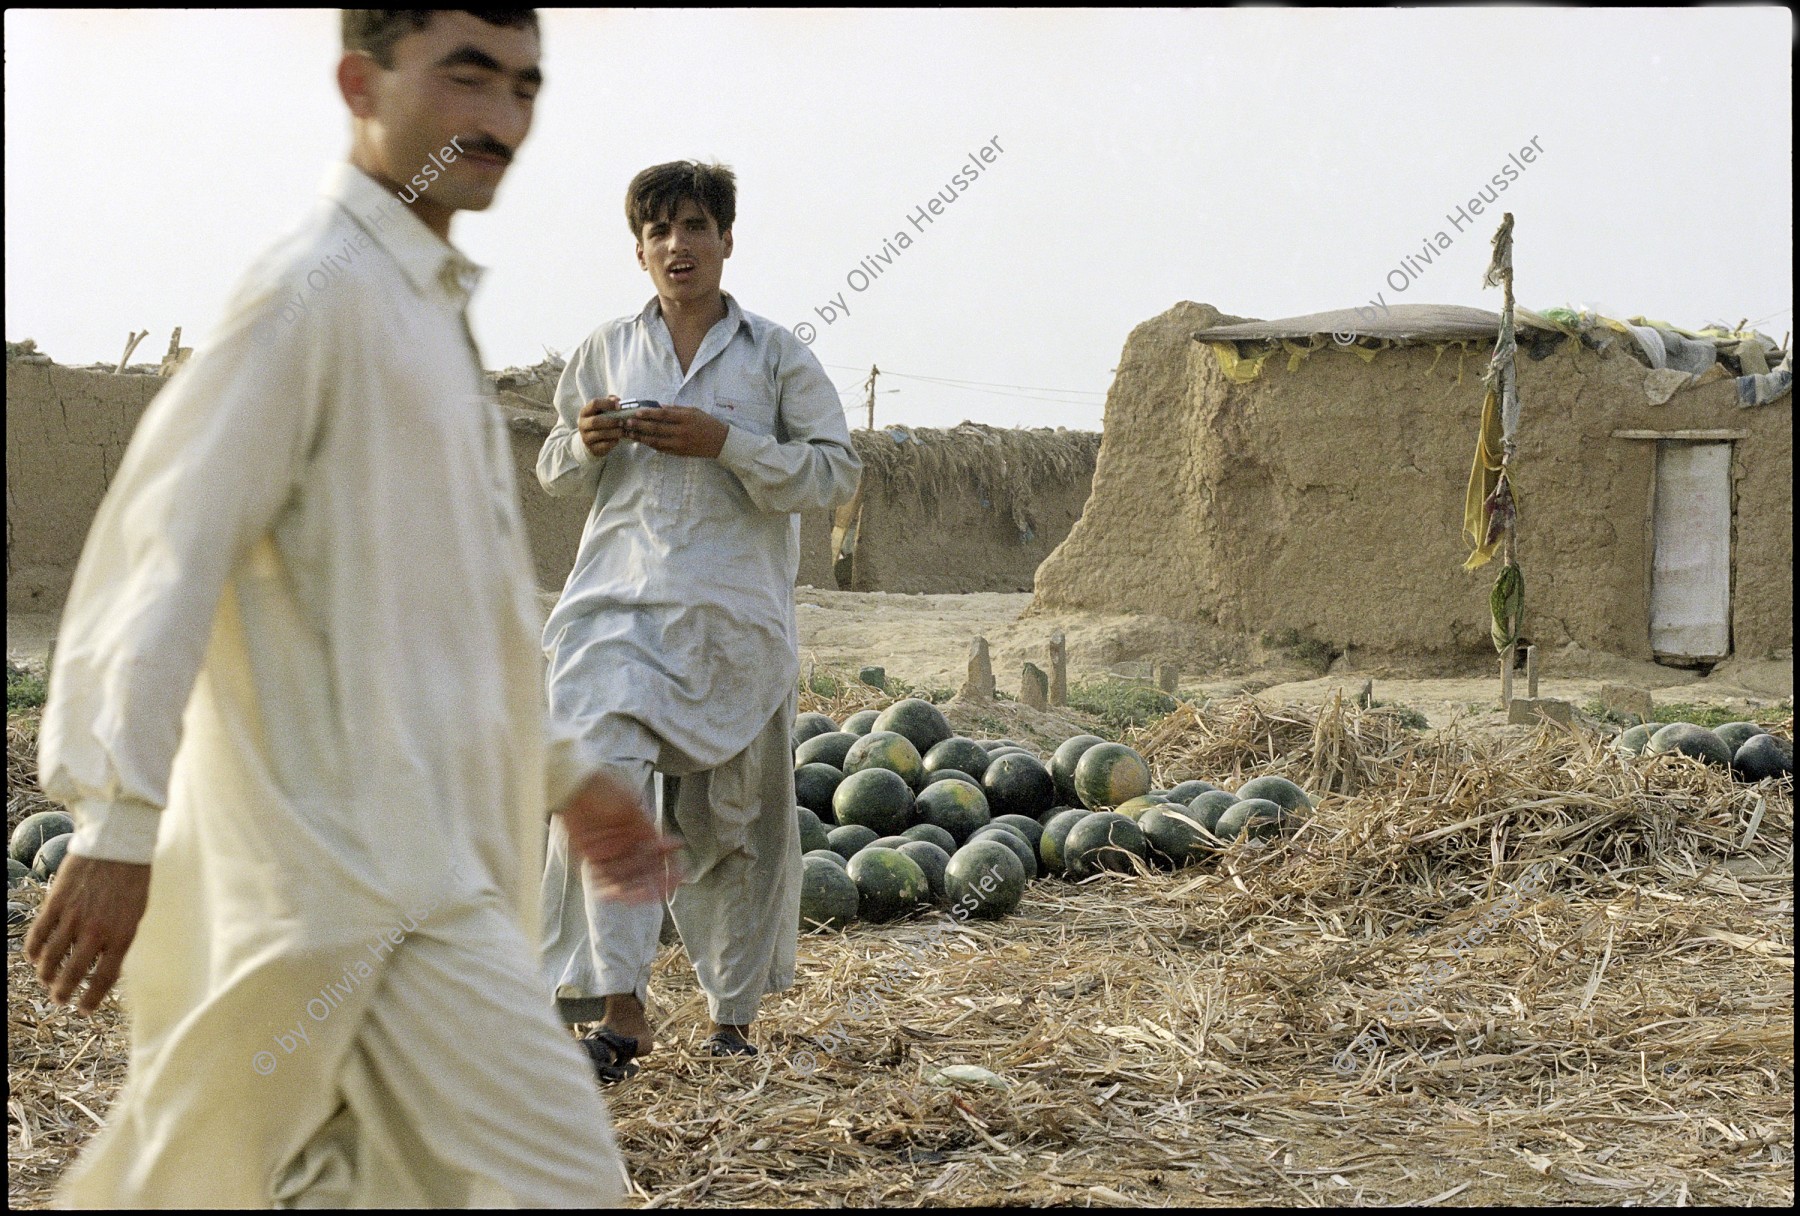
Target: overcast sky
1271,162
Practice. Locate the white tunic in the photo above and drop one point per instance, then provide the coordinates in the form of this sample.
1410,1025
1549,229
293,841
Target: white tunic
304,624
677,620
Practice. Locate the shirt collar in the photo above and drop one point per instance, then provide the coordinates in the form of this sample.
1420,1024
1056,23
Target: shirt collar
429,262
733,313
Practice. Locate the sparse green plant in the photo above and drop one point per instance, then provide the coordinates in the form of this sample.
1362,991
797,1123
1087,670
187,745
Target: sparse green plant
825,686
1409,717
24,689
1120,703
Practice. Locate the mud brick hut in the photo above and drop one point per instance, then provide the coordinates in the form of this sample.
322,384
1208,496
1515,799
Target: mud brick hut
1270,478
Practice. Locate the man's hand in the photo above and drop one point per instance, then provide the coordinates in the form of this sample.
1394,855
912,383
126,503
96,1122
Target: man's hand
679,430
609,830
87,923
599,425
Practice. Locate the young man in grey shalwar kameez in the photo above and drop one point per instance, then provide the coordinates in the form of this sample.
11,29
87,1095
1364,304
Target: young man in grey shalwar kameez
674,641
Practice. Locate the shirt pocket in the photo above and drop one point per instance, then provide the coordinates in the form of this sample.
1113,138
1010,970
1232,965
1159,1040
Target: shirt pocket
750,410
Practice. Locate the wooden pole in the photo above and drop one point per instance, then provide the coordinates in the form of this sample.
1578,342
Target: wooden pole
873,372
1531,672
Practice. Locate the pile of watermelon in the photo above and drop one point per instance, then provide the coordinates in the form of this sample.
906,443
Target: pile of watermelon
1748,750
898,812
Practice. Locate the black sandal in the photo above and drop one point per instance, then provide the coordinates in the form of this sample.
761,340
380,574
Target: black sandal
611,1053
722,1044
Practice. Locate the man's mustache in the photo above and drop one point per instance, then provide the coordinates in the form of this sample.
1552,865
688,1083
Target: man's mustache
486,147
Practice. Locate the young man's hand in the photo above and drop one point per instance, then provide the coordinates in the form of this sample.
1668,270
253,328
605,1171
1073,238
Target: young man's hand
599,425
679,430
86,923
609,830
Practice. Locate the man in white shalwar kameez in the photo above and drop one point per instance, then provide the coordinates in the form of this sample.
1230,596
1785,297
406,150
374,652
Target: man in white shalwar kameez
297,712
674,641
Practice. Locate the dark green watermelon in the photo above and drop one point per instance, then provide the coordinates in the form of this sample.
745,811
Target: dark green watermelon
828,748
828,895
1173,836
1279,790
1015,840
890,842
835,858
1250,818
1062,765
957,807
959,754
921,722
1187,791
812,831
848,840
877,798
1735,734
984,879
1764,756
934,861
16,872
814,785
931,833
889,884
1689,740
34,830
1632,741
862,721
1206,809
1032,830
889,750
1137,806
1104,840
1018,785
50,856
1109,774
951,774
1050,848
811,726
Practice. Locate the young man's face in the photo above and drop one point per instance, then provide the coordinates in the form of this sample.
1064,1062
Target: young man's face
685,255
457,79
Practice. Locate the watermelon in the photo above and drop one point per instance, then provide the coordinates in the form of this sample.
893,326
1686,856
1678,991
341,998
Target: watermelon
885,749
1054,811
959,754
16,914
1018,785
1172,836
1206,809
984,880
876,798
862,721
1632,741
34,830
1764,756
1187,791
933,861
847,840
1110,773
828,895
826,854
995,744
1689,740
810,726
919,721
890,842
1063,761
1010,751
814,786
952,774
1736,733
812,832
50,856
1253,818
16,873
931,833
1032,830
1104,840
889,884
1014,840
828,748
1279,790
1137,806
957,807
1050,848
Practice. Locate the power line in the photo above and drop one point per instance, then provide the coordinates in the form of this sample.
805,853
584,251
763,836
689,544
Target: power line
980,383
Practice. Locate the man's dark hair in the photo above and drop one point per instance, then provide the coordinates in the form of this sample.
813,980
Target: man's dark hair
658,192
374,31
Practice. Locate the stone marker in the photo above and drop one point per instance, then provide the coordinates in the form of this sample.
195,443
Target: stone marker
1168,676
980,684
1627,699
1526,711
1034,687
1366,696
1059,669
874,677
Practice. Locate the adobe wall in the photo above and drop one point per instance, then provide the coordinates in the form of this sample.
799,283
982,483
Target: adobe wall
1328,500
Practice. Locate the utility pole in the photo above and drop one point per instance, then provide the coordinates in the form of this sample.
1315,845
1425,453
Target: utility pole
873,372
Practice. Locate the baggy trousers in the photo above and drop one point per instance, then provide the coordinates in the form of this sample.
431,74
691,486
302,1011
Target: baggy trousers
737,909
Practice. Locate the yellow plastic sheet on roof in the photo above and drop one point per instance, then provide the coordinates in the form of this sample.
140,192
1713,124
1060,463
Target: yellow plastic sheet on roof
1238,368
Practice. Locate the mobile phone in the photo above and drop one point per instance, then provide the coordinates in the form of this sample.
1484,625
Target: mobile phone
637,403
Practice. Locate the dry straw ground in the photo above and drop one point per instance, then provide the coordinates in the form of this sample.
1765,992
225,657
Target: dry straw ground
1219,1035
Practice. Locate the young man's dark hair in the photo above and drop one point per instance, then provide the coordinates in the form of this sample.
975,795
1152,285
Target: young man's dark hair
658,192
374,31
